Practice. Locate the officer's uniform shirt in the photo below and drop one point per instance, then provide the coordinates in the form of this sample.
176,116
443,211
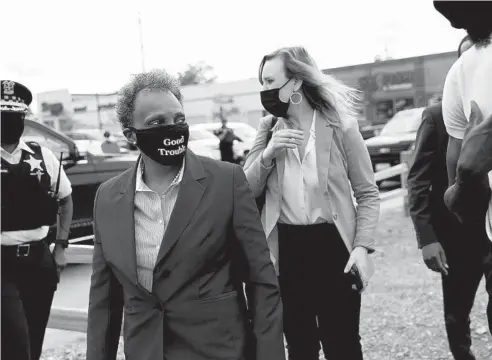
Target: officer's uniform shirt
65,189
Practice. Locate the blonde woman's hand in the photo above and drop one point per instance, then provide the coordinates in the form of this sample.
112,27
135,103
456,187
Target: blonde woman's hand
282,139
361,260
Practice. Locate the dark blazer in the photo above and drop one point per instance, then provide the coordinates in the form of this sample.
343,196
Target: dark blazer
428,181
196,310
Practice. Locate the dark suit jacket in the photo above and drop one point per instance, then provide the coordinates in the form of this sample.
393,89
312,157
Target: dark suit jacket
196,309
428,181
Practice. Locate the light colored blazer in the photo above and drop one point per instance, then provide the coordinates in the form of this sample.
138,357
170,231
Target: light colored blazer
343,165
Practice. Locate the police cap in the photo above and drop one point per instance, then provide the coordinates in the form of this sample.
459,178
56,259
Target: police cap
14,97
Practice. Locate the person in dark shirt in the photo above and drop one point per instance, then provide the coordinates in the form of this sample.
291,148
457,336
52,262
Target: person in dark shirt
226,136
439,233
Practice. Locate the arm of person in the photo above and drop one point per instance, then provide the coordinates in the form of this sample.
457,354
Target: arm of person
366,192
420,179
105,304
255,168
452,156
454,119
64,195
468,196
262,289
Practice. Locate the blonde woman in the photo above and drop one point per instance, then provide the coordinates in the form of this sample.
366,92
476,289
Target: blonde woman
315,160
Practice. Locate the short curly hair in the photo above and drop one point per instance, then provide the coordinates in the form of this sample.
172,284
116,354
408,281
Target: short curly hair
154,80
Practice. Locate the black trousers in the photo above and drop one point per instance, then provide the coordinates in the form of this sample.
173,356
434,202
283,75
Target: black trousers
318,301
28,286
226,152
469,258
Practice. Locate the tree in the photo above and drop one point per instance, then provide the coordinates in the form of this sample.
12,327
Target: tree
197,74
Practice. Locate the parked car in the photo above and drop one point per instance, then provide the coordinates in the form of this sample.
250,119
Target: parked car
90,140
398,135
85,172
203,143
245,132
370,131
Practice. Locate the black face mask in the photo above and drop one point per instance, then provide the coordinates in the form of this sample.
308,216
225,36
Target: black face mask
165,144
12,127
271,102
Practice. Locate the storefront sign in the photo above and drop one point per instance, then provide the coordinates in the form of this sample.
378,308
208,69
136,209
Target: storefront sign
401,80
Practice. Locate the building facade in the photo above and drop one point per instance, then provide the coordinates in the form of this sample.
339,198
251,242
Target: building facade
386,87
390,86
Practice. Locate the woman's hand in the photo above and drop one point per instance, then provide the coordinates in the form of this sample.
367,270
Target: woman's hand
360,258
282,139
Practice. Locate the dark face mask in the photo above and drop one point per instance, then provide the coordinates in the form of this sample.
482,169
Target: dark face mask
12,127
165,144
271,102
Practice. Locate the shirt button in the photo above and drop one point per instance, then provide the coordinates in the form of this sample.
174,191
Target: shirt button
335,216
160,221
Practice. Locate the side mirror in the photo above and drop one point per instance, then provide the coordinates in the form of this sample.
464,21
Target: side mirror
73,159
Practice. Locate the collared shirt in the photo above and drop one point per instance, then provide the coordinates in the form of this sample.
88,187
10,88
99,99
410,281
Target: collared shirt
152,214
52,165
302,197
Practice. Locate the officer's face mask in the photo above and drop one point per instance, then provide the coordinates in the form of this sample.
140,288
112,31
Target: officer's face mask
165,144
271,102
12,127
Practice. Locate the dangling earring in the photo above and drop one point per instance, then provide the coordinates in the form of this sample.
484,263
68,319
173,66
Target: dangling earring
294,102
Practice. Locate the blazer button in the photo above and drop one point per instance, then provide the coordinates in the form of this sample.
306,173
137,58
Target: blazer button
335,216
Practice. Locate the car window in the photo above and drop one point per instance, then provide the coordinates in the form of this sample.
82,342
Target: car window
403,122
57,146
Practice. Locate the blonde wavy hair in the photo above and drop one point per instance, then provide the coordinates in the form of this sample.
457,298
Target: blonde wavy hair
324,93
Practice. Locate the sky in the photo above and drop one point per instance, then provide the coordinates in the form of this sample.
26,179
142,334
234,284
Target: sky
93,45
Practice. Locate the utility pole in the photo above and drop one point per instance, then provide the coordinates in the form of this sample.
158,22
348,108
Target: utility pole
98,112
141,42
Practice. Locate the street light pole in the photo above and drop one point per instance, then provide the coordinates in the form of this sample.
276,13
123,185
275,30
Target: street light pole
141,42
98,113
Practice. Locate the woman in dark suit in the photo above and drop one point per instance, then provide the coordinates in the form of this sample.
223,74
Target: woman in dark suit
314,161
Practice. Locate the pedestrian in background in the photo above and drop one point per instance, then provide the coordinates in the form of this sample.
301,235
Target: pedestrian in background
315,159
109,146
227,137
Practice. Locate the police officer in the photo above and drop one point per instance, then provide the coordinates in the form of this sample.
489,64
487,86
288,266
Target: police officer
34,190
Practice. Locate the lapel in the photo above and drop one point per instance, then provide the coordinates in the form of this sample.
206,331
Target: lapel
280,166
324,139
124,226
190,194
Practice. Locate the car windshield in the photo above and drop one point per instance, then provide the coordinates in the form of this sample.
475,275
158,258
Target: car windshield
404,122
199,134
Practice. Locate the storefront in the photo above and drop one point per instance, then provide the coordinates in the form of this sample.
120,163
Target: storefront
391,86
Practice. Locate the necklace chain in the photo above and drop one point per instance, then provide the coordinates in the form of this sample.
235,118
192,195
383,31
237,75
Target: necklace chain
143,168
